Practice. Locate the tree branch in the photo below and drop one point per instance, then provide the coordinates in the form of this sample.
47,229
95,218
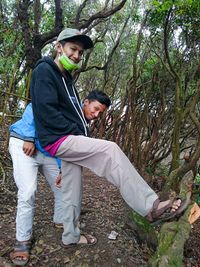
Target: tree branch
166,30
80,9
100,14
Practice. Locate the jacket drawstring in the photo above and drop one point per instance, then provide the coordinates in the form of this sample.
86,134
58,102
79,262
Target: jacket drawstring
81,117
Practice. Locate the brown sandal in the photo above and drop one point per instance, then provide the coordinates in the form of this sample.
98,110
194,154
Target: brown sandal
91,240
21,253
165,213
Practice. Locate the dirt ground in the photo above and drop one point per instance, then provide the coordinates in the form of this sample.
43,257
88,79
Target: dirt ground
103,211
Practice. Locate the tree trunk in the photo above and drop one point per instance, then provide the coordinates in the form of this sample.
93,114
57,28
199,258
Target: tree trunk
172,238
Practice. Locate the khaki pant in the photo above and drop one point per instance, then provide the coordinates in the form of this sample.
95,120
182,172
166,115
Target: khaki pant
106,159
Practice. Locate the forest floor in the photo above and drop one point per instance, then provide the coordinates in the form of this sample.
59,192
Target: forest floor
103,211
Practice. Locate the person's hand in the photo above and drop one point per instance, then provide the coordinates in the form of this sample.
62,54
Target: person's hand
58,180
29,148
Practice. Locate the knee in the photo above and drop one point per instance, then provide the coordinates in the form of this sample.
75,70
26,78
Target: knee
57,194
113,146
27,196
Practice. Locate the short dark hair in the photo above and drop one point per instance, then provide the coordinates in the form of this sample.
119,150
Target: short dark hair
63,42
99,96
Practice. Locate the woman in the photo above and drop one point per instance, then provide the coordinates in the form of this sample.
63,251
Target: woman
63,132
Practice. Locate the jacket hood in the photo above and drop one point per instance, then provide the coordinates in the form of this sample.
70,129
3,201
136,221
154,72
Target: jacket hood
49,61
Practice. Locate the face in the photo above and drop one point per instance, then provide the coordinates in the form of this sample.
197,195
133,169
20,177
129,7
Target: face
93,109
73,50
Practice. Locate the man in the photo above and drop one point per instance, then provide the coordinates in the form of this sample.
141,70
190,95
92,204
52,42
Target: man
26,162
63,132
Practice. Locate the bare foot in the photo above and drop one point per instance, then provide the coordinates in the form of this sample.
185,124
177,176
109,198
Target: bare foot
160,208
176,204
87,239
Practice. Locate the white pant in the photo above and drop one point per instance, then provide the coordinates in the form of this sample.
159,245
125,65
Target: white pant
25,170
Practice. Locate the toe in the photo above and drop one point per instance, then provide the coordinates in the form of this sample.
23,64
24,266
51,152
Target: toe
176,204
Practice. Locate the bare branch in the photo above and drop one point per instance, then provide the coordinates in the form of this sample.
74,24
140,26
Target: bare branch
37,15
166,30
80,9
51,35
101,14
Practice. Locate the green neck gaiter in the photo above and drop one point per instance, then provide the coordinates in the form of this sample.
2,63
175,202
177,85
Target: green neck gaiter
67,63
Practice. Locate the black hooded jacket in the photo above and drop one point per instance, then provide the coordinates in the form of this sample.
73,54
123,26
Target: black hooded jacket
56,107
